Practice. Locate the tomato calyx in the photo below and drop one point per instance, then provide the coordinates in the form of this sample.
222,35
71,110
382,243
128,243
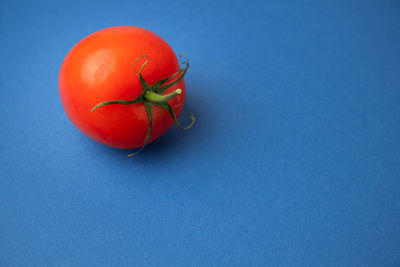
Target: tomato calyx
153,95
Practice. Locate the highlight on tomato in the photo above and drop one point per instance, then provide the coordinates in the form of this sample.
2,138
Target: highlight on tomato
123,87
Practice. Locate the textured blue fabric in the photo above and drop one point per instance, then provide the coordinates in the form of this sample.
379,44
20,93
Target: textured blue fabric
294,159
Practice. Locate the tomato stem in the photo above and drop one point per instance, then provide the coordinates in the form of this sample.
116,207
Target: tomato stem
153,95
157,98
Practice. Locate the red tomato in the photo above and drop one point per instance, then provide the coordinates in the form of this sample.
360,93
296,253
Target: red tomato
101,67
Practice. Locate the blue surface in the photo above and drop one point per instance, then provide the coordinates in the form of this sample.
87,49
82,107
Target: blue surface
294,159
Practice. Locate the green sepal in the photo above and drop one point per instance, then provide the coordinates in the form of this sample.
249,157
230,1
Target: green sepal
122,102
161,89
167,107
149,110
145,85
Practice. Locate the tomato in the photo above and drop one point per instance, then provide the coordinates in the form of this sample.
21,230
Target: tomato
122,86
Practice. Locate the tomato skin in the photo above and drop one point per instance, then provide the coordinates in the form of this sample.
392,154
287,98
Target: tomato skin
101,68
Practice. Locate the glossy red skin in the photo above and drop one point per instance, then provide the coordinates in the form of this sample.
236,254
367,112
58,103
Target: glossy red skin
101,68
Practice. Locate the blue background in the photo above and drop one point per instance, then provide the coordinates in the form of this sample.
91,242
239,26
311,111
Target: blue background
294,159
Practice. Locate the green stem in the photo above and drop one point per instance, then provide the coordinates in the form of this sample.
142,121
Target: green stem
157,98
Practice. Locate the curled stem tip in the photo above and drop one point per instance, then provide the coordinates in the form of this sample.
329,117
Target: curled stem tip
187,127
144,64
191,124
